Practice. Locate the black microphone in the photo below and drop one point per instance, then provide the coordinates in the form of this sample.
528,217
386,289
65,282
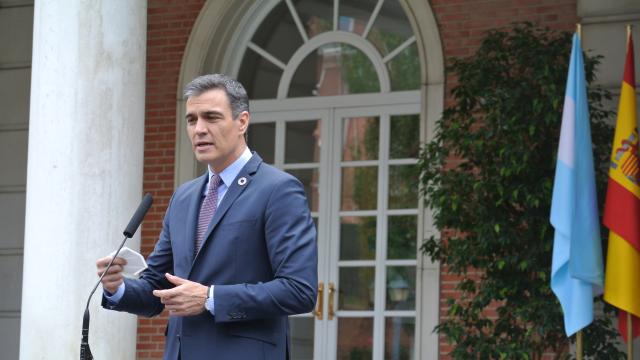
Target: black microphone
137,217
134,223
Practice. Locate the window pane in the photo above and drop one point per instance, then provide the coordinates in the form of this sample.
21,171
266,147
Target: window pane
334,69
359,188
261,138
399,338
401,286
403,187
354,15
315,15
391,28
405,136
404,70
278,34
259,76
302,142
402,235
357,238
355,338
302,329
360,138
309,179
356,288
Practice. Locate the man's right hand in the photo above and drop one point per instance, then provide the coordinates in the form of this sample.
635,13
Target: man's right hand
113,278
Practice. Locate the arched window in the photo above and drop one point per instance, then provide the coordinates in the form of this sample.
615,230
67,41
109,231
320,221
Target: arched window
320,48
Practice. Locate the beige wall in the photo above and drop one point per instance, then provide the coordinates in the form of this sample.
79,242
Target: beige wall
604,33
16,27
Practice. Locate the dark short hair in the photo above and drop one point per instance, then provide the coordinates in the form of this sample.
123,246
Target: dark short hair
238,99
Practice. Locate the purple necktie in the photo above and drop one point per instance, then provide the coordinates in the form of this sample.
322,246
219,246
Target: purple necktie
208,208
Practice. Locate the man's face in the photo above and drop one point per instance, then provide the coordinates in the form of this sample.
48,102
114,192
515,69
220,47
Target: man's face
217,139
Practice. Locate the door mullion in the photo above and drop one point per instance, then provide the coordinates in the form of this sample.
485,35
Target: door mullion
324,229
381,248
333,210
280,144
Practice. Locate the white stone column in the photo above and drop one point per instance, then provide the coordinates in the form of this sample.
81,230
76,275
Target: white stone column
84,174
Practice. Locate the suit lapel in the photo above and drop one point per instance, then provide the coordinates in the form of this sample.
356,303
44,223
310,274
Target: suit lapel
195,201
234,190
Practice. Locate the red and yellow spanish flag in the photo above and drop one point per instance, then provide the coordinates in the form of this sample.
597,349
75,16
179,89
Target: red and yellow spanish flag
622,208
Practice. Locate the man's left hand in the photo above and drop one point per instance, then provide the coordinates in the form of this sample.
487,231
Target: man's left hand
186,299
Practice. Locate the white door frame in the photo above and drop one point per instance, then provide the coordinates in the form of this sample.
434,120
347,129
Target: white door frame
280,118
383,111
331,110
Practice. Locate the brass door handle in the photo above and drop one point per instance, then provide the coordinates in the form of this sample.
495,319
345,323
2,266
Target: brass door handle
318,311
332,291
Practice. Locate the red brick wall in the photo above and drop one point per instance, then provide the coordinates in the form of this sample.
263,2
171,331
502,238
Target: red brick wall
169,22
462,24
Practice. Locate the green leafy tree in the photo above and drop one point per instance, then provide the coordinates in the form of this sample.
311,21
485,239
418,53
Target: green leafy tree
488,177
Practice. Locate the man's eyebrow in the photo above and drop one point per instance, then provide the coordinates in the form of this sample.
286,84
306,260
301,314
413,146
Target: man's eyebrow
211,112
207,113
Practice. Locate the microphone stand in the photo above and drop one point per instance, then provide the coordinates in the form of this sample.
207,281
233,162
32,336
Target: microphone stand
134,223
85,350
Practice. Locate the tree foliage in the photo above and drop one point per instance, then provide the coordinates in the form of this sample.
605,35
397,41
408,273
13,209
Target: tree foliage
487,176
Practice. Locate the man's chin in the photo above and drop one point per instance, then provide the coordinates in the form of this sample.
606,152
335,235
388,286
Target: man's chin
204,158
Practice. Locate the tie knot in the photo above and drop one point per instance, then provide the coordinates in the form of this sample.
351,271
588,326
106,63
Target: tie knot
214,182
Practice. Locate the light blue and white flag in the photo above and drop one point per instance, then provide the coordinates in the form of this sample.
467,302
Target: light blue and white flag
576,269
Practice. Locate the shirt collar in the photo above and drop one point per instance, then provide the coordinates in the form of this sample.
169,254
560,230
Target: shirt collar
230,172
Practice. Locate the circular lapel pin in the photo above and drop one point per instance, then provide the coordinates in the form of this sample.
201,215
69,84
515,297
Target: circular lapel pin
242,181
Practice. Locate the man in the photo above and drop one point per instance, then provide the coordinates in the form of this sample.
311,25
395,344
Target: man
237,252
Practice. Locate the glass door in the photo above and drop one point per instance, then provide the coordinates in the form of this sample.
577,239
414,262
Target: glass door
374,222
295,141
358,166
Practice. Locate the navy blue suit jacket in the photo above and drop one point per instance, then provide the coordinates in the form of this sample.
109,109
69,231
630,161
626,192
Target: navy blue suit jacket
259,251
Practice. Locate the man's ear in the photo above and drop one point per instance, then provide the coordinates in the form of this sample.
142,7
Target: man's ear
244,119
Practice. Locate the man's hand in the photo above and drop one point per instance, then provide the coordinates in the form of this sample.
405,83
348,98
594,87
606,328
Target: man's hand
114,278
186,299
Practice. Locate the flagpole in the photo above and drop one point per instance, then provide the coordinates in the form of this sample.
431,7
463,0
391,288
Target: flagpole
629,337
629,320
579,345
579,341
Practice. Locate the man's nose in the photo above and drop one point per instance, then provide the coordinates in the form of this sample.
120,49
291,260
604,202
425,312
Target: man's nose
200,126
